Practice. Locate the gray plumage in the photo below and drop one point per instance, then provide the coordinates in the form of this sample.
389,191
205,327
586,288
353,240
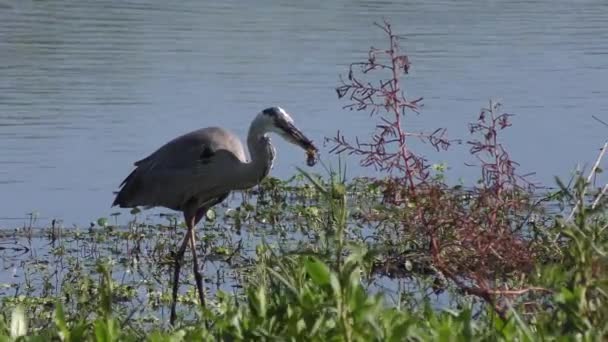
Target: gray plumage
186,169
198,170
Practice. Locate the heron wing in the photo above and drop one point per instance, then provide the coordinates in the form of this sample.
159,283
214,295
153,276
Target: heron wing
175,152
196,166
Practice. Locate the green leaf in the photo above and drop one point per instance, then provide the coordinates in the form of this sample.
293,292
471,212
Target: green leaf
102,333
335,285
210,215
521,324
78,331
315,182
102,221
408,265
59,318
261,300
18,322
318,271
105,330
282,279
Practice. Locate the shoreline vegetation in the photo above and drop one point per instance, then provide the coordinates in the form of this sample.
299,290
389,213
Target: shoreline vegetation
321,257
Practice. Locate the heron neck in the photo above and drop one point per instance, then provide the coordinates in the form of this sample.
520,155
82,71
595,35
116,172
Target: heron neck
262,156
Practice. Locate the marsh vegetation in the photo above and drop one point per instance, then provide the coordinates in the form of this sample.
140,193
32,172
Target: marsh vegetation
407,255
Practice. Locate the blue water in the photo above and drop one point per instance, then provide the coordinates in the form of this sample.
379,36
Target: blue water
87,87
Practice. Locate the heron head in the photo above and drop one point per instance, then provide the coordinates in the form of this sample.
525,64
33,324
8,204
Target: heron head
278,121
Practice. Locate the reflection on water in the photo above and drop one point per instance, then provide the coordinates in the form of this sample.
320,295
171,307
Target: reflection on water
87,87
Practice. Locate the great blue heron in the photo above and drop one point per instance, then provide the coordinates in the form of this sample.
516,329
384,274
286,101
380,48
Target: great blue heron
198,170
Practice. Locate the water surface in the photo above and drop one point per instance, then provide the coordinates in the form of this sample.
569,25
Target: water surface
87,87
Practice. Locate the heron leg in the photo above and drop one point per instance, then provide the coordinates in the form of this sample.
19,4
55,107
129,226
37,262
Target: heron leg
198,277
179,258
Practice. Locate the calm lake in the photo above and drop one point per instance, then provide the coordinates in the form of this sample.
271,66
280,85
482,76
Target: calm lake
89,86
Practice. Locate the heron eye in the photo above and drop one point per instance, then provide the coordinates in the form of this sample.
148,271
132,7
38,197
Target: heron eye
272,111
206,154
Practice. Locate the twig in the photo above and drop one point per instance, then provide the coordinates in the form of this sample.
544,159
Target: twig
518,292
599,120
591,173
599,196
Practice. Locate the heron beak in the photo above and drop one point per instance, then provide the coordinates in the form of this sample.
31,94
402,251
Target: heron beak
295,136
301,140
298,137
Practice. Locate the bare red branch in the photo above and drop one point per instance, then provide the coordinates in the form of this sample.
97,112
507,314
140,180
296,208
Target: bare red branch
474,242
